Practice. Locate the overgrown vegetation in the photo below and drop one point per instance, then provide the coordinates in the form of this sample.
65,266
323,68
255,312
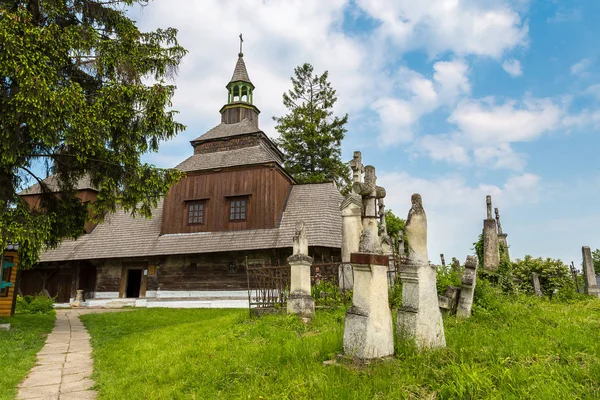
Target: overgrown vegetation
513,347
18,349
39,304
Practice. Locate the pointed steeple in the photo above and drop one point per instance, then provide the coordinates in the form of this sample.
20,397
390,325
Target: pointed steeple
239,95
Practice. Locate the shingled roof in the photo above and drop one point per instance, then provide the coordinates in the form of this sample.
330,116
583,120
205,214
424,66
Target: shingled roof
223,130
52,182
124,236
259,154
240,74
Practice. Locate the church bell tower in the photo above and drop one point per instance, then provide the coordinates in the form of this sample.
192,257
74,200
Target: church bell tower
239,95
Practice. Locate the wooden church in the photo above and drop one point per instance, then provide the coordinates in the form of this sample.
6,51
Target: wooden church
235,202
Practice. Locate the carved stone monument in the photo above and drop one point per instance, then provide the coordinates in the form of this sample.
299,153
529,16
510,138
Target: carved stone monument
501,235
455,265
537,288
387,246
591,284
300,301
443,259
468,282
491,254
368,329
419,317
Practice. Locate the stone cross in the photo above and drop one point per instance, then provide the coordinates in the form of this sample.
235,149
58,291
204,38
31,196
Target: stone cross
382,223
419,317
300,301
357,167
370,192
443,260
488,201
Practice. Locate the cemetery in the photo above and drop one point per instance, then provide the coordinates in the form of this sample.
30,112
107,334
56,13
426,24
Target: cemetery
264,262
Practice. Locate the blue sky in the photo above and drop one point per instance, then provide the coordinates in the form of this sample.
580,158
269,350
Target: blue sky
451,99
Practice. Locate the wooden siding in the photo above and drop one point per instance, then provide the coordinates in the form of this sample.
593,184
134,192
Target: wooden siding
267,189
234,114
6,303
86,195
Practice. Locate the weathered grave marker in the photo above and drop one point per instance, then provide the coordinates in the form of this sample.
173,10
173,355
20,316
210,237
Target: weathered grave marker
300,301
419,317
468,282
491,255
591,284
537,288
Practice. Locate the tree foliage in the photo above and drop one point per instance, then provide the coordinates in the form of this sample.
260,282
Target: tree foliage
553,274
596,260
310,135
75,100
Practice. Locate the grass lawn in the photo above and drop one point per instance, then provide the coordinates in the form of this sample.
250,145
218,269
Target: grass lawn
529,348
18,348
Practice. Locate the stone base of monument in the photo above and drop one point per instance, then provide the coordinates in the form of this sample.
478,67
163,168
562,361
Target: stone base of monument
301,304
368,328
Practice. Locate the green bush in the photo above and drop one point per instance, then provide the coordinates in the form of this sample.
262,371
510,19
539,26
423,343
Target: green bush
446,276
39,304
553,275
487,299
395,293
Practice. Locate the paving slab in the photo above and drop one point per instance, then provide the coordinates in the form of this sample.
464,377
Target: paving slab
64,365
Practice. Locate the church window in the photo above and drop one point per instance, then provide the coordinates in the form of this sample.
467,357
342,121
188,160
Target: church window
196,212
237,208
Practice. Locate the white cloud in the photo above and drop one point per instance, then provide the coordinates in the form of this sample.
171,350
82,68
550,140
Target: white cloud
498,156
396,119
455,209
485,121
443,148
580,67
462,27
565,16
512,67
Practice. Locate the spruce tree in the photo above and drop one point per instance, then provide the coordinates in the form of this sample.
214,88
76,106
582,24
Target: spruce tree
310,135
75,100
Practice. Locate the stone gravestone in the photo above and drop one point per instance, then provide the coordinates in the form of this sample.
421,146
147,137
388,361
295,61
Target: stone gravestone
387,246
443,259
300,301
455,265
351,209
449,301
501,235
368,329
419,317
491,254
78,299
591,284
468,282
537,288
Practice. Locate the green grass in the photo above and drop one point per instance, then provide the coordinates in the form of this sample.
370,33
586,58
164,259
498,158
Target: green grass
527,349
18,348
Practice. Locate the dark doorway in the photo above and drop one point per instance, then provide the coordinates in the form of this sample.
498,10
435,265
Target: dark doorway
134,283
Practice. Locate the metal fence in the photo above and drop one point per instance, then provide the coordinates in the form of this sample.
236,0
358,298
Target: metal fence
268,286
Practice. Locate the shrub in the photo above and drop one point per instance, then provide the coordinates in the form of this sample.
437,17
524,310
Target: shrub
395,293
446,276
39,304
553,275
487,299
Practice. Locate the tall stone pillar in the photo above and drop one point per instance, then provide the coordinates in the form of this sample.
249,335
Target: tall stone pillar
419,317
370,192
300,301
501,235
591,285
468,282
351,209
491,254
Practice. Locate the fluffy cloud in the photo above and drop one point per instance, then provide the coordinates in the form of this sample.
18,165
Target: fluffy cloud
443,148
462,27
512,67
485,121
455,208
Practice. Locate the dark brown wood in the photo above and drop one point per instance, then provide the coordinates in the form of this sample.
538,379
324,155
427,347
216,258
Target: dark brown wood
370,259
267,188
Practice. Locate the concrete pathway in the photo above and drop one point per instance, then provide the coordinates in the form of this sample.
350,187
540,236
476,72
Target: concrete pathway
64,365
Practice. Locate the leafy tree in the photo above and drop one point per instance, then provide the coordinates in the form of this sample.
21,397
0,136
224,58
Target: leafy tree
74,100
310,135
394,225
553,274
596,260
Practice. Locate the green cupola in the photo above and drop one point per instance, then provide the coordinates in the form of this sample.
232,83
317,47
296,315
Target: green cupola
240,95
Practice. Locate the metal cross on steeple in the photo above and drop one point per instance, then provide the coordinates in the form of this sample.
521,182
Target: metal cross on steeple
241,41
